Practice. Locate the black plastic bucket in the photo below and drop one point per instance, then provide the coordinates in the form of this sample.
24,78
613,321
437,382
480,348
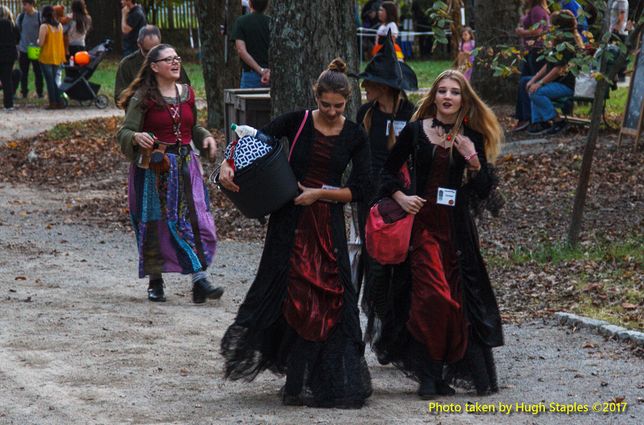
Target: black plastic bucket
264,186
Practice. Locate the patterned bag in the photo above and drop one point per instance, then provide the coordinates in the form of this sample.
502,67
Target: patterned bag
246,151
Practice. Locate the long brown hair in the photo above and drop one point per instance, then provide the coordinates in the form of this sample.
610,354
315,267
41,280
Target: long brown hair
145,84
392,11
81,17
480,117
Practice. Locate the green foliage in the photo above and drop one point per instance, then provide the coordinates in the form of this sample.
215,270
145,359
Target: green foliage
440,18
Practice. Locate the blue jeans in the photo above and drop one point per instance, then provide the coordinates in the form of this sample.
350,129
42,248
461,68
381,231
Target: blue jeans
523,110
250,80
52,74
541,100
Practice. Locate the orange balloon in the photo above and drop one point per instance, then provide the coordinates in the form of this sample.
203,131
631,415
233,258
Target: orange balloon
82,58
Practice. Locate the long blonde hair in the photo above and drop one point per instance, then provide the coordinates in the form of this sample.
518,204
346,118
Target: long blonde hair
5,13
474,112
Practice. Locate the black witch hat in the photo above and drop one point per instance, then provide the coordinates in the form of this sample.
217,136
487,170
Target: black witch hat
385,68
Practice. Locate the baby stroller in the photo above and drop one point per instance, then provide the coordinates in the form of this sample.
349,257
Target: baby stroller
76,84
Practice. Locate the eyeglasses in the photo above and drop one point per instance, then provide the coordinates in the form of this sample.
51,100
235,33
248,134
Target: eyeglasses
170,59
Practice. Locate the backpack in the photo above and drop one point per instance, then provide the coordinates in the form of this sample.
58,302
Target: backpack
21,18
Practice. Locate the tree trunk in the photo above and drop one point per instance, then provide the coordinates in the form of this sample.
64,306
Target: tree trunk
106,22
219,59
595,120
305,38
495,24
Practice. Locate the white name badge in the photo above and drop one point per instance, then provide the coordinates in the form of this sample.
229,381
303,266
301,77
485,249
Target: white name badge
446,197
398,126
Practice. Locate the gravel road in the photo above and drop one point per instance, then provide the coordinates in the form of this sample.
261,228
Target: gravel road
80,344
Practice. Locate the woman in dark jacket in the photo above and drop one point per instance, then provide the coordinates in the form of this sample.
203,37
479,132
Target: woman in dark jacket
385,114
442,310
300,316
9,38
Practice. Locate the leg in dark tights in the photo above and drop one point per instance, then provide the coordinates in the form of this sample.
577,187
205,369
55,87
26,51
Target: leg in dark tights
7,83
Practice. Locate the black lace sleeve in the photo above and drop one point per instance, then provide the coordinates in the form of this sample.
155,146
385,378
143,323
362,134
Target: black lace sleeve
481,188
391,170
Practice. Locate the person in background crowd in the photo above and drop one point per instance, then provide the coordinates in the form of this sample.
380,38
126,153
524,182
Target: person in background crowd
619,26
251,33
79,25
9,37
539,15
300,316
554,80
443,310
245,7
385,114
59,14
465,60
52,55
531,29
168,200
578,11
148,37
388,17
28,23
369,17
132,20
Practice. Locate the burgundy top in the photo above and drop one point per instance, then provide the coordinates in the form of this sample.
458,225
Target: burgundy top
432,215
159,120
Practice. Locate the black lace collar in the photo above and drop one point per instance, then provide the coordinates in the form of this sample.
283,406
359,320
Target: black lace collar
438,123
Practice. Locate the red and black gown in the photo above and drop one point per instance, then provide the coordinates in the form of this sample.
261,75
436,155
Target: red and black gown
442,308
300,316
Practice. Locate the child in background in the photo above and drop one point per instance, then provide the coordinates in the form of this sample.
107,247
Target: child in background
465,60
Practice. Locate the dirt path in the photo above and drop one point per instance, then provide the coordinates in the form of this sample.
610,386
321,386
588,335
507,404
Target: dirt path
28,121
79,343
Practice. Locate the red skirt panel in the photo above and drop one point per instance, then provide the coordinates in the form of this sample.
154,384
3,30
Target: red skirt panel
436,317
314,297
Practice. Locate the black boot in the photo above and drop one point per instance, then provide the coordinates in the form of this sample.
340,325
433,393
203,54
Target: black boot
441,385
432,383
491,369
478,368
155,291
202,290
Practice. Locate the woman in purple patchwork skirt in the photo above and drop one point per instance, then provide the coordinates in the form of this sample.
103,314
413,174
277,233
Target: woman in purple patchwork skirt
168,199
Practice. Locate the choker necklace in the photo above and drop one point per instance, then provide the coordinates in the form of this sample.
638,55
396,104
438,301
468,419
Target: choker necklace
438,123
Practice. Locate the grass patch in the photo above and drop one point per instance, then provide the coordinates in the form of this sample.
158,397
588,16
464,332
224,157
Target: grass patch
603,280
64,131
554,254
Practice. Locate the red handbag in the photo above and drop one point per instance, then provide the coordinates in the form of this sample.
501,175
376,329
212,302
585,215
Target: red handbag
388,230
388,227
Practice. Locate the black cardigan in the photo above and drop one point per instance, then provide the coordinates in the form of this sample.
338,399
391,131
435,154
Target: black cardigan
252,343
479,302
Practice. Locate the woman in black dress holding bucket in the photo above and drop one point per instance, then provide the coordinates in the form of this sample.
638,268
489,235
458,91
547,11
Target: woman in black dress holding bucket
300,316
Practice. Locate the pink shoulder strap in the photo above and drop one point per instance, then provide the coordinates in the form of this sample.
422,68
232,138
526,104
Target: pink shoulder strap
297,136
